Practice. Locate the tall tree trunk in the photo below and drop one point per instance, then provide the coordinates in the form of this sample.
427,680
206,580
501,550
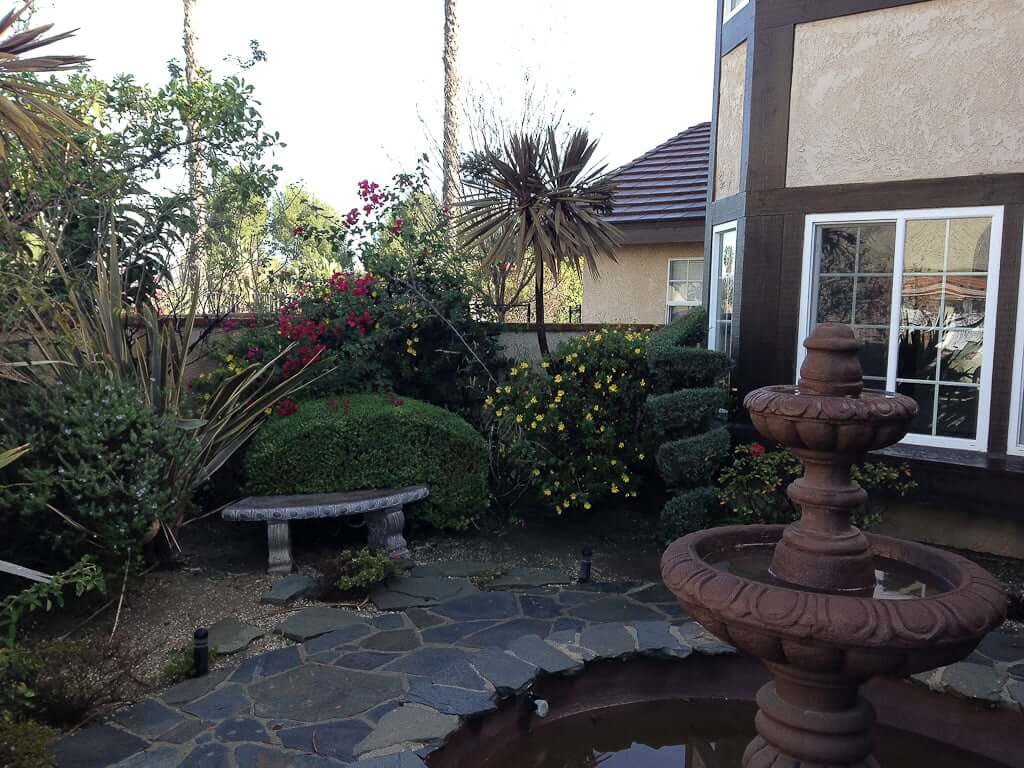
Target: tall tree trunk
450,143
196,163
542,336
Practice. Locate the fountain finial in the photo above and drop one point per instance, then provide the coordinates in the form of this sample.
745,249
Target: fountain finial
832,366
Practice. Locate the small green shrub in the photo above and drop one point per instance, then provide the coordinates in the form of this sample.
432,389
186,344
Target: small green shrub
678,362
573,423
84,576
98,455
179,664
753,487
372,441
26,744
693,461
359,569
685,410
687,512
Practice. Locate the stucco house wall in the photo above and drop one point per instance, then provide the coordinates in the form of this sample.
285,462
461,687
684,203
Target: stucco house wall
731,89
926,90
635,288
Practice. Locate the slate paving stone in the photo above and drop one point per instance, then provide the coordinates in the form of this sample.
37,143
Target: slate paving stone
610,641
97,747
337,638
1001,646
190,690
230,635
653,593
280,660
222,703
524,578
1016,671
455,568
335,739
150,718
484,605
316,621
423,618
608,587
451,633
611,609
502,634
312,693
409,724
564,624
365,659
267,757
564,636
416,592
656,637
241,729
461,674
1016,690
449,699
395,640
186,731
289,589
507,673
702,641
672,611
380,710
208,756
155,757
388,621
428,662
577,598
399,760
533,650
539,607
974,681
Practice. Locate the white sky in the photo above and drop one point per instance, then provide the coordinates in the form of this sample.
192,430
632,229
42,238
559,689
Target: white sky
348,83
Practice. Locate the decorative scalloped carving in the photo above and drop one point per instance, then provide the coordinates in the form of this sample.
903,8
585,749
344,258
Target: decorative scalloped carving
790,403
900,635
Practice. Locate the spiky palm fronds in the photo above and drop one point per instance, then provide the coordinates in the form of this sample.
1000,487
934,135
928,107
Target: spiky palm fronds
28,114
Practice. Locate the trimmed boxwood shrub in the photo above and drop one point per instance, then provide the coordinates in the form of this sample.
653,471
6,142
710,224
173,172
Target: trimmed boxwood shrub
372,441
686,410
694,461
687,512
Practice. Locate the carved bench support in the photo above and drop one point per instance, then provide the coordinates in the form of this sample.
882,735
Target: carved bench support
279,545
385,527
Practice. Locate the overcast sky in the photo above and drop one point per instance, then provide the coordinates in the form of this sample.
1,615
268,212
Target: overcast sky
355,86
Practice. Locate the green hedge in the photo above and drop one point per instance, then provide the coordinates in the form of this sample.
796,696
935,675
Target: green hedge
693,461
687,512
685,410
677,362
372,441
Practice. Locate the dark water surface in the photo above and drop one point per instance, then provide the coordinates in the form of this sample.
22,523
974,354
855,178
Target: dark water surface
688,735
893,580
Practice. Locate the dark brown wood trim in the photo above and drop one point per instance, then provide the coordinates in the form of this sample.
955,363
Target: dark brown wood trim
725,210
691,231
957,191
737,29
1006,329
779,13
713,148
770,84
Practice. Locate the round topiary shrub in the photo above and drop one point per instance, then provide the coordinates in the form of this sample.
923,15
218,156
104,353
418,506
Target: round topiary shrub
372,441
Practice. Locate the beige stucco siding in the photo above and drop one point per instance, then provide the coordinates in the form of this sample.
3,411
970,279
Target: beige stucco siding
635,288
729,140
926,90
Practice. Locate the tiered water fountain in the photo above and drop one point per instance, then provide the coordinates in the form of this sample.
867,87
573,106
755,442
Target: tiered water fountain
823,604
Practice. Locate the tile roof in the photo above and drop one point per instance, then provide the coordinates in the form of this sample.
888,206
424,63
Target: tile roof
669,183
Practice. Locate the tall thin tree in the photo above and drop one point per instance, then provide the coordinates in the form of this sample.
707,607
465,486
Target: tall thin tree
196,162
450,142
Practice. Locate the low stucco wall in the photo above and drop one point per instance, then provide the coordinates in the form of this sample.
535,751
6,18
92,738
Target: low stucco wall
729,141
635,288
926,90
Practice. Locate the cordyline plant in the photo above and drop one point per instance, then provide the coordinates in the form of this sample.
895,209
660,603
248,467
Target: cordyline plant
541,201
27,112
94,328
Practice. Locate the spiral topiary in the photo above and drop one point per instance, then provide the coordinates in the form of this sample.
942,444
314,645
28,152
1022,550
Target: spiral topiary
686,396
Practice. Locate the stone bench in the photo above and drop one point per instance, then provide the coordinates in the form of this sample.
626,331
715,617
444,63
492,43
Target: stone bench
385,519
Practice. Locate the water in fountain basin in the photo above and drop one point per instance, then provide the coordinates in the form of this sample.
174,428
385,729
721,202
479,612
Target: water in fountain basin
894,580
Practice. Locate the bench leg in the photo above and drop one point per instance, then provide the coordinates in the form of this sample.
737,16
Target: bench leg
279,545
385,528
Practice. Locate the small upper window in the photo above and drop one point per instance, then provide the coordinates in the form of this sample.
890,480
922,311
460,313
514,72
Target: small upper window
731,8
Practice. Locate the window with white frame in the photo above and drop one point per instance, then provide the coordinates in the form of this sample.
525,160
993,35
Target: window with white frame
723,285
1015,441
732,7
685,286
919,289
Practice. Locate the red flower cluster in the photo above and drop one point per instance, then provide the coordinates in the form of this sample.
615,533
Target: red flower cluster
294,327
341,282
363,322
397,401
286,407
756,449
352,217
369,193
301,357
231,324
254,353
396,228
296,231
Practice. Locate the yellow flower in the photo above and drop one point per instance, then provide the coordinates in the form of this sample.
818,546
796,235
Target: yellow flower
536,472
411,351
625,477
589,417
499,412
596,408
643,382
608,378
539,417
489,401
597,385
547,491
416,338
545,364
561,393
524,365
557,483
558,379
613,388
582,369
614,462
561,427
267,411
519,419
533,401
601,429
641,457
597,337
414,326
622,445
586,505
615,488
636,351
572,496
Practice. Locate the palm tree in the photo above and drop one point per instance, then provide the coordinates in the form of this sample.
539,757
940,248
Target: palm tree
450,142
539,200
28,115
196,164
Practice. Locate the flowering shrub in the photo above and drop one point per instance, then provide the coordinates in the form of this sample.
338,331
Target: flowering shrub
573,421
753,488
371,441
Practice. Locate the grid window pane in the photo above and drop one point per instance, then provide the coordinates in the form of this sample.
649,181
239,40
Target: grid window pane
925,247
874,357
918,354
960,356
924,394
674,313
964,301
838,247
835,300
725,253
877,248
677,269
969,244
957,414
921,301
872,300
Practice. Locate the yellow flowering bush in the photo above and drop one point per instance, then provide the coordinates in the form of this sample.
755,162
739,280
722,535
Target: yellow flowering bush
572,422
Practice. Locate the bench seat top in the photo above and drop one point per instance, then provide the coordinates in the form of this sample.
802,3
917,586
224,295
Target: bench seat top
311,505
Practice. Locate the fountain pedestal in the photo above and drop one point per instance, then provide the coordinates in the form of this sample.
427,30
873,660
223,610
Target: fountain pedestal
814,616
